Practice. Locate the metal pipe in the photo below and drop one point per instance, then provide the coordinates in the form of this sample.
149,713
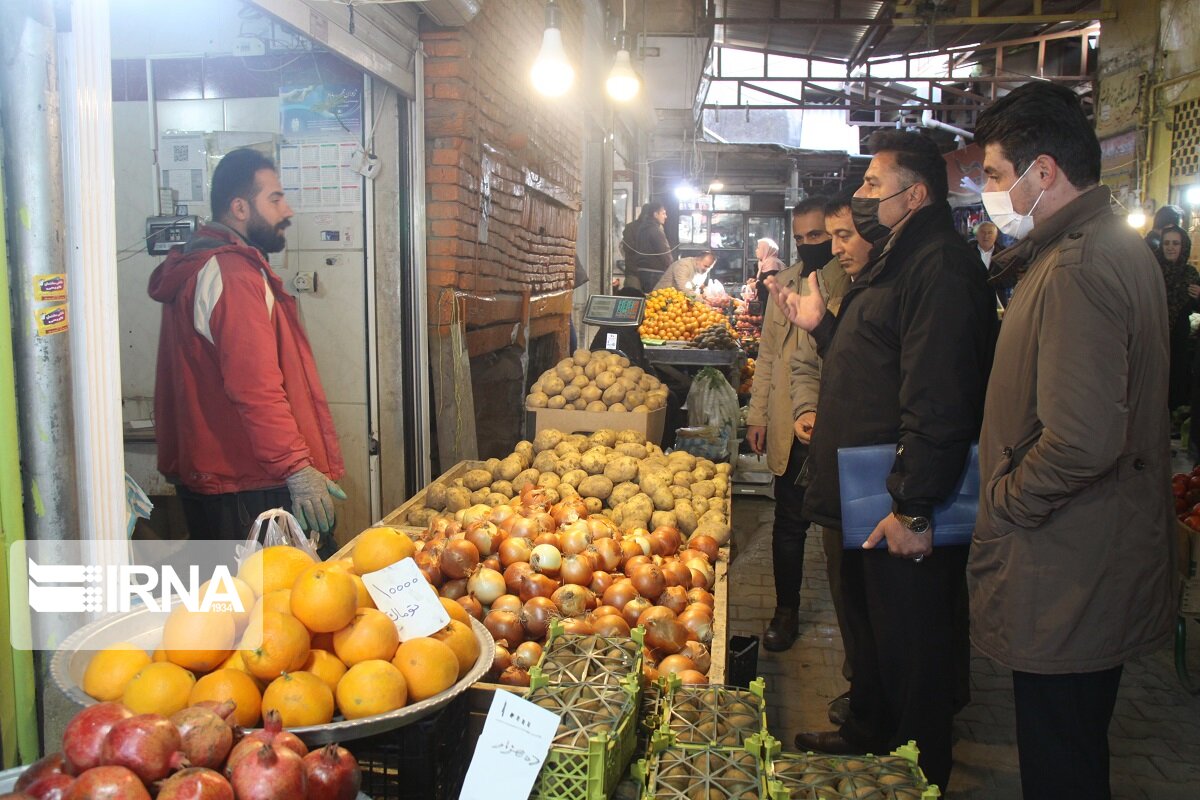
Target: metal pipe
927,121
418,380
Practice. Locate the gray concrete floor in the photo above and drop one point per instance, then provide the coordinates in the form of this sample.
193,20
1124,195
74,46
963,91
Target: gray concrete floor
1155,734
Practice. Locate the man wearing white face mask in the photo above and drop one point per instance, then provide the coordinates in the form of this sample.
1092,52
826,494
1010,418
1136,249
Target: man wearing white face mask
1071,563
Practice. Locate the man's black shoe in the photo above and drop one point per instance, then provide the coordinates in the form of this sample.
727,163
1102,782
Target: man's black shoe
782,630
830,742
839,709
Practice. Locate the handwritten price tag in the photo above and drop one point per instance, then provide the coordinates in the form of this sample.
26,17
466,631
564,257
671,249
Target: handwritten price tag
511,749
401,591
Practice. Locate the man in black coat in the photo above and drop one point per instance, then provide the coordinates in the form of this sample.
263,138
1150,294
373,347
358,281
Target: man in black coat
906,362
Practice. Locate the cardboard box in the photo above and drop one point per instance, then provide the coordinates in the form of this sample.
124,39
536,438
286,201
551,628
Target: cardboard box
649,424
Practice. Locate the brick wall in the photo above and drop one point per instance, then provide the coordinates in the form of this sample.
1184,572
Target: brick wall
488,137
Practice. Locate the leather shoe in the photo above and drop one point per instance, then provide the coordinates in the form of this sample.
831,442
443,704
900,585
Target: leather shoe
839,709
782,630
830,742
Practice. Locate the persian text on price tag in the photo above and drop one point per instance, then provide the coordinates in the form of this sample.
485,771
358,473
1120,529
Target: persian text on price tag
511,749
401,591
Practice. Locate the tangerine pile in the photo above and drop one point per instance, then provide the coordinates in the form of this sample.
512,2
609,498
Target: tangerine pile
670,314
310,643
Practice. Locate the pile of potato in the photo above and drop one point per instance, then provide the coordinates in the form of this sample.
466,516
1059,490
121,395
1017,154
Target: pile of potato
599,381
616,474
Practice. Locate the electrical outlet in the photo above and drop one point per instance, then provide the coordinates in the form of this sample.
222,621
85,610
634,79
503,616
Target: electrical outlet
305,282
248,46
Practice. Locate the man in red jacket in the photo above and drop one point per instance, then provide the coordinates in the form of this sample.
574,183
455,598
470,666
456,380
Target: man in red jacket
242,421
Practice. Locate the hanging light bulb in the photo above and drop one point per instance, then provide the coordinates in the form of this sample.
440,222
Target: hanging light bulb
1136,218
552,74
623,83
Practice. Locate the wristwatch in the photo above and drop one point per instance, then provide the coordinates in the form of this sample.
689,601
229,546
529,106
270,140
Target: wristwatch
914,524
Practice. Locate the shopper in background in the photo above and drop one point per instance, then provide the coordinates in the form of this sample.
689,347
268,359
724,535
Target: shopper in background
688,274
241,419
644,245
771,427
1071,562
1166,216
1183,287
905,361
986,234
767,253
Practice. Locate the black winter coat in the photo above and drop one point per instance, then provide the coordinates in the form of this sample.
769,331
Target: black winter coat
905,361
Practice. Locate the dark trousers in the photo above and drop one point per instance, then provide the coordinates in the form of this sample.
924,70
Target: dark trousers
229,516
907,652
789,531
831,543
1062,733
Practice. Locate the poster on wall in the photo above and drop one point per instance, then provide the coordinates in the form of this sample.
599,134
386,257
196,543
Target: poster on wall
322,127
321,111
181,162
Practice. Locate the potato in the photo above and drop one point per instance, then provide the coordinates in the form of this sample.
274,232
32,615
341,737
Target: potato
647,383
496,499
590,393
626,383
717,530
635,451
723,468
557,401
477,479
502,487
704,469
613,394
565,447
565,370
654,480
491,464
545,461
551,495
634,373
700,505
548,439
620,469
537,399
527,477
622,492
682,478
435,496
618,408
568,463
654,402
721,483
574,477
594,460
566,491
596,486
660,519
703,488
552,384
605,379
663,499
548,480
596,406
570,393
510,467
682,459
685,515
581,404
593,504
604,436
635,398
581,356
524,449
593,368
457,498
580,381
479,495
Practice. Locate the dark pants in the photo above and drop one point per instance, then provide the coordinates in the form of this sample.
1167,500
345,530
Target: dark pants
1062,733
790,531
907,652
229,516
831,543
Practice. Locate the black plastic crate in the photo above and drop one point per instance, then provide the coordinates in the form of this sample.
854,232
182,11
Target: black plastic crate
421,761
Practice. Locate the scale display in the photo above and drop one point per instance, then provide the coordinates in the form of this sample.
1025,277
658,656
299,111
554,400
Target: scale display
603,309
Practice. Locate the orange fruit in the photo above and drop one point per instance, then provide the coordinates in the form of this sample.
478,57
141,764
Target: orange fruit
161,688
364,599
462,641
213,631
245,599
159,655
281,645
456,611
279,600
341,564
370,635
376,548
326,666
301,698
428,666
323,599
369,688
111,669
274,567
230,684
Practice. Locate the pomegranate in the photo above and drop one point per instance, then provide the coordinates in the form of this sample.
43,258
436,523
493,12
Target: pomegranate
84,735
51,786
148,744
272,732
270,773
108,782
52,764
332,774
206,736
196,783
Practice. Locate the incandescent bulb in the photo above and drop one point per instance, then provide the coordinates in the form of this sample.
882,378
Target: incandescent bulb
623,83
552,74
1136,219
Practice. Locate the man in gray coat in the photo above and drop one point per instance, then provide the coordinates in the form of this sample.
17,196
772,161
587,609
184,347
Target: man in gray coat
1071,566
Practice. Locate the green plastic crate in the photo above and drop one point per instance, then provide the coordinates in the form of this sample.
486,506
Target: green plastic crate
587,767
672,773
577,658
713,716
815,776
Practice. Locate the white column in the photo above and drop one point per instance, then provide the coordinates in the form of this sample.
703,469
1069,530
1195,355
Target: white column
85,92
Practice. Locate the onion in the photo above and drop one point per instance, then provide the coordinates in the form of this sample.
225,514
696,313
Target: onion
702,596
514,576
604,611
663,544
533,499
619,594
610,625
514,549
634,608
642,537
606,553
535,585
675,663
690,677
502,659
475,514
707,574
486,584
665,635
485,536
501,513
574,537
547,537
571,599
600,582
544,523
506,602
536,615
526,655
459,559
570,510
546,559
705,544
514,676
578,625
629,549
576,568
685,556
649,671
505,625
699,655
648,580
471,605
632,564
452,590
698,625
674,598
602,527
673,536
677,574
519,527
653,613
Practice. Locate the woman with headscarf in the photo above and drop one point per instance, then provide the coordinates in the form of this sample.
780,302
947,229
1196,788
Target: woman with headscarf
767,253
1183,287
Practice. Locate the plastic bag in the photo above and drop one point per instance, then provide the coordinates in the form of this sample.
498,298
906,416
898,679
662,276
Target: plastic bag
277,526
713,403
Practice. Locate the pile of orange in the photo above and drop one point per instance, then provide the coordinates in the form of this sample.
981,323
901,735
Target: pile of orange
670,314
309,643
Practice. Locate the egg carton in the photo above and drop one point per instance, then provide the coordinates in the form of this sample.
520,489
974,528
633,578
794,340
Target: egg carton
814,776
582,658
713,716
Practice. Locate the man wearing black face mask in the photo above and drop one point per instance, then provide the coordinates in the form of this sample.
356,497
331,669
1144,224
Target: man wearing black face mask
905,361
